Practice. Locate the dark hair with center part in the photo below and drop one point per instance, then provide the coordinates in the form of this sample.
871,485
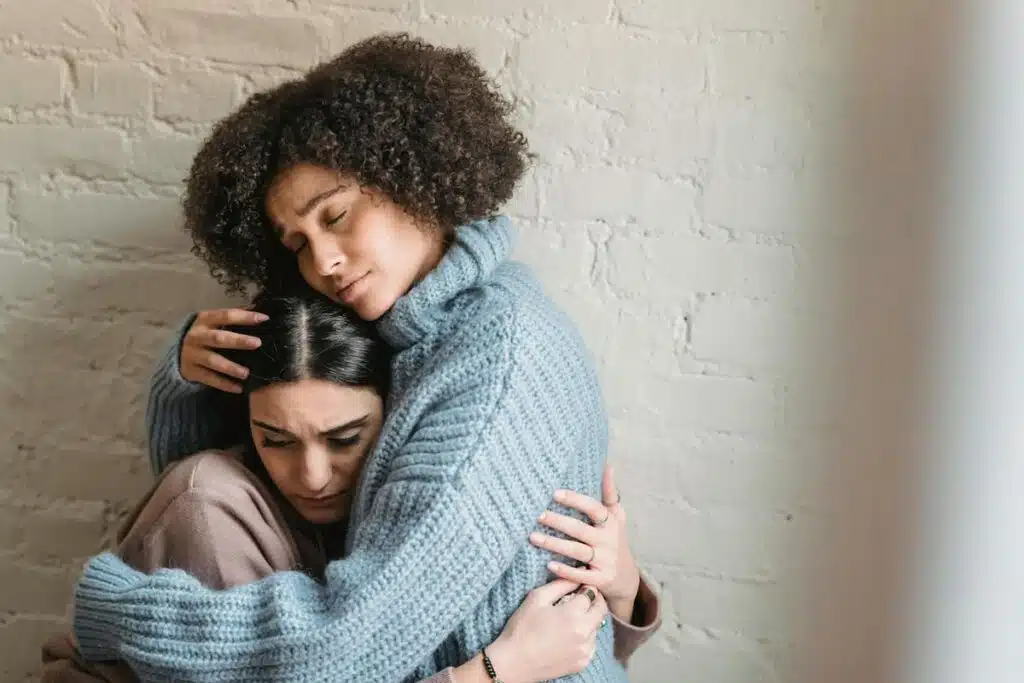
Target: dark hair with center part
308,336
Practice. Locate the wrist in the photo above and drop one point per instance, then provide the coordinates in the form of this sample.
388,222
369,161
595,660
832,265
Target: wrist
472,671
505,661
621,604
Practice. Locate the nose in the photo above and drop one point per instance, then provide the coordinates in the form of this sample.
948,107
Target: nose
327,257
315,470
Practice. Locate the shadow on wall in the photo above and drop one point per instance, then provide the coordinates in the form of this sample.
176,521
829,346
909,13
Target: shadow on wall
83,321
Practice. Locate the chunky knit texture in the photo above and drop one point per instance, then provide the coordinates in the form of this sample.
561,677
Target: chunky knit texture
184,417
494,405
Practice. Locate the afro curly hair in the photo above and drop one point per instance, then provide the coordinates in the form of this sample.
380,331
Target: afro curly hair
421,124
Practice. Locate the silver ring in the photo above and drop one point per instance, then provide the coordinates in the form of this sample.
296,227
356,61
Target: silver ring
607,516
590,595
593,553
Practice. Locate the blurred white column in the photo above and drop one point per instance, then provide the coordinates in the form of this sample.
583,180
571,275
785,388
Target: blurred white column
923,574
966,615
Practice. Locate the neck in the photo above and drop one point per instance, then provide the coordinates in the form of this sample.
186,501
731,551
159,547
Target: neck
460,260
438,247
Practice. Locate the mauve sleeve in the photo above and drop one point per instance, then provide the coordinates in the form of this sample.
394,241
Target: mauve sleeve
646,620
446,676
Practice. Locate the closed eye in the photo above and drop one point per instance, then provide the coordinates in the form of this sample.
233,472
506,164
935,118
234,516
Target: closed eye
274,443
340,443
332,221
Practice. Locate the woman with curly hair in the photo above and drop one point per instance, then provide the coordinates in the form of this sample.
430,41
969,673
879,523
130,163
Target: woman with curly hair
279,500
375,179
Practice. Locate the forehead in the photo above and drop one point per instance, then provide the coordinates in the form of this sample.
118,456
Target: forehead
311,404
295,187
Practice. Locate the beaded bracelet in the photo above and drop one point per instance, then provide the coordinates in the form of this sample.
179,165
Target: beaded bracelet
490,668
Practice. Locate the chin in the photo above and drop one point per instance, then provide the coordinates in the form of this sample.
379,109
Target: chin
370,311
322,516
370,315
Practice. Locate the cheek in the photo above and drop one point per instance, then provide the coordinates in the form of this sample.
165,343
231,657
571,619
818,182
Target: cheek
277,467
350,467
367,245
348,470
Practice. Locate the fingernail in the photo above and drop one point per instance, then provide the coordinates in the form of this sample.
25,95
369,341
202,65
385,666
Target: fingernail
255,343
552,566
543,516
536,538
559,495
260,317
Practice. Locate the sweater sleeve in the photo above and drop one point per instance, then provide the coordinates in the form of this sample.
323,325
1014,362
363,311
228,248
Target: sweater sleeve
184,417
220,537
458,502
629,636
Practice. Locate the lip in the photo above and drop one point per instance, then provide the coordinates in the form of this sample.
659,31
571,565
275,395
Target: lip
320,500
353,290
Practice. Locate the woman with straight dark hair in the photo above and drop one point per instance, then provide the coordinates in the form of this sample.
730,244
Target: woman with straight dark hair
311,409
377,179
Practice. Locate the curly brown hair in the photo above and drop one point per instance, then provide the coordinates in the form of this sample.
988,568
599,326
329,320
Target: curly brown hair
422,124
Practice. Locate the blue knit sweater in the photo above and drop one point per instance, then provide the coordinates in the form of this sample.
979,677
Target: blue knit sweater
494,405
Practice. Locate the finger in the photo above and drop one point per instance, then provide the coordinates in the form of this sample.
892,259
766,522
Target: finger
212,360
578,602
216,338
570,526
561,546
609,492
232,316
585,504
598,611
553,591
578,574
591,594
212,379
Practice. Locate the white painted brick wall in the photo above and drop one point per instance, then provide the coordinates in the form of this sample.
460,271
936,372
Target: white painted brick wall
668,211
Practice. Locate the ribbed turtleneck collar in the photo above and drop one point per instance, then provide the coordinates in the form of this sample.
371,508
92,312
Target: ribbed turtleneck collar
477,249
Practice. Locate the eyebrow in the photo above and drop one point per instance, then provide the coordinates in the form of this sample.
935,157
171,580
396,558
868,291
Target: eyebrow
358,422
311,204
